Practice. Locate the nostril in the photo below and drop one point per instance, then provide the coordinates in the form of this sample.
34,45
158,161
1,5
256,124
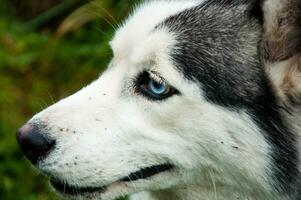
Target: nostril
34,143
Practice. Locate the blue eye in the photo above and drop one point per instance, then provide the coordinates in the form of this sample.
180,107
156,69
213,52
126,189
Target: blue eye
153,89
157,88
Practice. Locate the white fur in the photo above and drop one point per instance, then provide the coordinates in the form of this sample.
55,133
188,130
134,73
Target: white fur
143,21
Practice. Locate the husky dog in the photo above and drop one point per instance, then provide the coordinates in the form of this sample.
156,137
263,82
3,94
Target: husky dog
201,101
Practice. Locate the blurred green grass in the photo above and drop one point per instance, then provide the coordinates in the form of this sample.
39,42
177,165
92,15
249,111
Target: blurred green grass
38,66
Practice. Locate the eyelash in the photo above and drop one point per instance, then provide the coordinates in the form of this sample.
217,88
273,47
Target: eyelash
147,79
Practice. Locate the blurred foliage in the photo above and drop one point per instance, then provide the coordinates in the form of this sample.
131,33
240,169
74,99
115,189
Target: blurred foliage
64,51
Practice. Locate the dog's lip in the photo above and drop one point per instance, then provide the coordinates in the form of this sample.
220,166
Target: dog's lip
68,189
147,172
74,190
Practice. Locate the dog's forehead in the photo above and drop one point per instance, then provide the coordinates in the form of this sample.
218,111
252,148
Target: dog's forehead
139,26
172,18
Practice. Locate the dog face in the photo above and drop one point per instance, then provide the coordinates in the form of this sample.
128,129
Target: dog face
186,100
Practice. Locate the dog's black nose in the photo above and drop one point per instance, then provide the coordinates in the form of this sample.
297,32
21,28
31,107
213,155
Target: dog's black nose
33,143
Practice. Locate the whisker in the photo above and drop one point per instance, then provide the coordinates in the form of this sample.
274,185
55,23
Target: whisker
114,22
51,98
99,7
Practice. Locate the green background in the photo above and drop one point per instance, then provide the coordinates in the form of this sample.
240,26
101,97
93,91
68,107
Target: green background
48,50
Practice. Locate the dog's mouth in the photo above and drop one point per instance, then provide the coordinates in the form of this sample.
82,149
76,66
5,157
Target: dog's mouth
74,190
146,172
67,189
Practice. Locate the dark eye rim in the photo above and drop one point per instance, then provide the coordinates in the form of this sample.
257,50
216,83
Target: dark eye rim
141,87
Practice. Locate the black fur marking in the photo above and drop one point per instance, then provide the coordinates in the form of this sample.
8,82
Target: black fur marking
219,47
256,10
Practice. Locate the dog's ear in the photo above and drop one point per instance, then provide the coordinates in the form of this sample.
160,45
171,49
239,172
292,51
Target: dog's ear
282,26
282,45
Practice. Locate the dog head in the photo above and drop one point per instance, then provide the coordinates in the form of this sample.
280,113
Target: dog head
194,93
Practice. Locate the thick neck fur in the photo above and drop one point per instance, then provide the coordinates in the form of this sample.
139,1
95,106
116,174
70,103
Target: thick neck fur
205,193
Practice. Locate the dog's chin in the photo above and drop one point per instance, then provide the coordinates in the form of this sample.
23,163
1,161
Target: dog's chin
120,187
